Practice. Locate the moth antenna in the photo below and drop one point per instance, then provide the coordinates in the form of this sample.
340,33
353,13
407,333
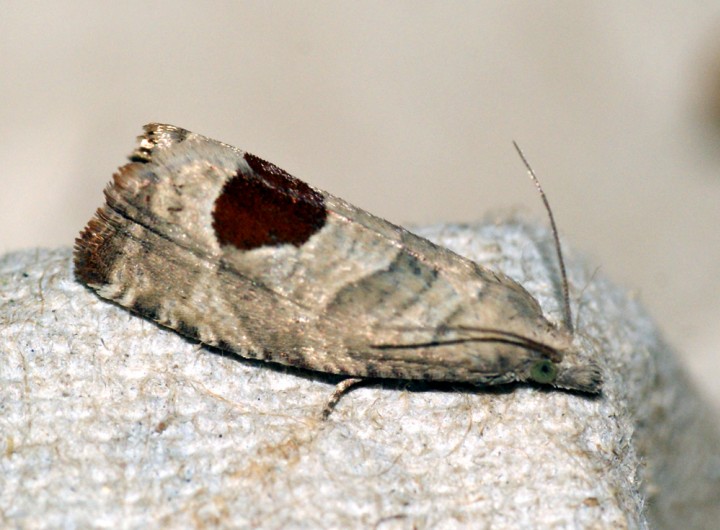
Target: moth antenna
495,336
563,274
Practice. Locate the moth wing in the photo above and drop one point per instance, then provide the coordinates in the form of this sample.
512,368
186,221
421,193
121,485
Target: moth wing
231,250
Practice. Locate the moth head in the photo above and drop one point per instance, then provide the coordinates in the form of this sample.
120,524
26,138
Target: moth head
585,377
557,362
543,371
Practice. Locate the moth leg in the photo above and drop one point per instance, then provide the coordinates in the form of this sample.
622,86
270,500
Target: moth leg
341,389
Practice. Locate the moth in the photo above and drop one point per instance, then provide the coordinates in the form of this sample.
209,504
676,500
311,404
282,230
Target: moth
230,250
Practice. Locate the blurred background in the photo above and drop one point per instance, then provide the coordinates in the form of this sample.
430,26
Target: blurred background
407,109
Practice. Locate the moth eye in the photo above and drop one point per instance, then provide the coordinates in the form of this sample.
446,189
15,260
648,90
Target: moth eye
543,371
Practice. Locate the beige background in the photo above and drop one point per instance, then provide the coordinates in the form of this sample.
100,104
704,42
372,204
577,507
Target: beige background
404,108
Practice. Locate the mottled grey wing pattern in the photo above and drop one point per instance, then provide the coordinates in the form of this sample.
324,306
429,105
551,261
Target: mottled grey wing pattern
229,249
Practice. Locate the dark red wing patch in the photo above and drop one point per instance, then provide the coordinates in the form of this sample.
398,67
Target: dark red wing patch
266,207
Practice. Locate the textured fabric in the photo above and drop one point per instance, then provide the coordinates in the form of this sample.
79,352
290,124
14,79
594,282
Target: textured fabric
107,420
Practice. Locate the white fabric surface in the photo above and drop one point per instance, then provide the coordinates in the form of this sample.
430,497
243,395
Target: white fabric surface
108,421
